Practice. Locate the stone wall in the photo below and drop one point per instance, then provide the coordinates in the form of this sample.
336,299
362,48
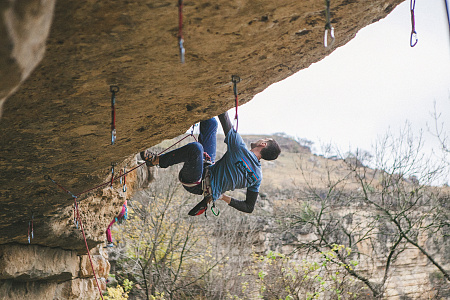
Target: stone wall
411,276
38,272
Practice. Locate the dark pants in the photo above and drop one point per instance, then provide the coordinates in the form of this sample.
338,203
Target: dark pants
192,155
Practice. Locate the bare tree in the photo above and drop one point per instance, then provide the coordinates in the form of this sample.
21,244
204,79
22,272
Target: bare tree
166,251
376,212
159,244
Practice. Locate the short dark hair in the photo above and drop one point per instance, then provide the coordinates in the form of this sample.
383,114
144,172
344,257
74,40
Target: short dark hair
271,151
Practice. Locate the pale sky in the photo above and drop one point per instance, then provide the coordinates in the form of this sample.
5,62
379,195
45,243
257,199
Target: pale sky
374,83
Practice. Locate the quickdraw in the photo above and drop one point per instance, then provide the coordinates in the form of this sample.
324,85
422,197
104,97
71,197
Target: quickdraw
76,215
123,179
114,89
180,31
328,26
235,79
413,38
112,174
30,229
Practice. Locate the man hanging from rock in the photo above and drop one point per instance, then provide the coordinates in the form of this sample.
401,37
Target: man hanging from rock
238,168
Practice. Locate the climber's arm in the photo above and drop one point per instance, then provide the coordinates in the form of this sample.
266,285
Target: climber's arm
225,121
245,206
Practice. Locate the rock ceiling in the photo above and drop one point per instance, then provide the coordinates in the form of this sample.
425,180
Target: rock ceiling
58,122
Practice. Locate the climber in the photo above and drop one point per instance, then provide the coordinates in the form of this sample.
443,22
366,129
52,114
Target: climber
122,216
238,168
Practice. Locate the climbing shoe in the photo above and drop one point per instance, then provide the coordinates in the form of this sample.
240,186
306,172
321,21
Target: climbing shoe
109,245
200,207
149,157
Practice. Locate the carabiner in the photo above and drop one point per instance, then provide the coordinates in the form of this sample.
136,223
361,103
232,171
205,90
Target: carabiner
112,174
412,6
413,35
182,50
114,89
235,79
328,25
325,38
212,209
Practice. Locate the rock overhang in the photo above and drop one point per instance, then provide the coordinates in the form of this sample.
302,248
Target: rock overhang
58,122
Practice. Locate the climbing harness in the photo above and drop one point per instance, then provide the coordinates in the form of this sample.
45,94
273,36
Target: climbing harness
328,26
180,30
413,38
30,229
207,190
76,208
114,89
235,79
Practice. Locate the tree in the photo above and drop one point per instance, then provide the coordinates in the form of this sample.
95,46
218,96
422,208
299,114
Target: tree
160,245
376,212
174,256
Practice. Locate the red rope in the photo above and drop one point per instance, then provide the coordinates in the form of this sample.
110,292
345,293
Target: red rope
87,247
180,30
180,19
76,209
113,179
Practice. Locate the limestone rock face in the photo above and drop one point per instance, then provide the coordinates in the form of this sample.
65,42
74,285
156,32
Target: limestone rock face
36,262
24,28
59,122
37,272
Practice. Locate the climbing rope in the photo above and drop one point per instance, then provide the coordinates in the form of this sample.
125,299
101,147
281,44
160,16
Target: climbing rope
77,213
118,177
447,10
114,89
412,6
87,248
328,26
235,79
77,217
180,30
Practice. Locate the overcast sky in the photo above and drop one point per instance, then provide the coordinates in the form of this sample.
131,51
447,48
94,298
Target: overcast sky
374,83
